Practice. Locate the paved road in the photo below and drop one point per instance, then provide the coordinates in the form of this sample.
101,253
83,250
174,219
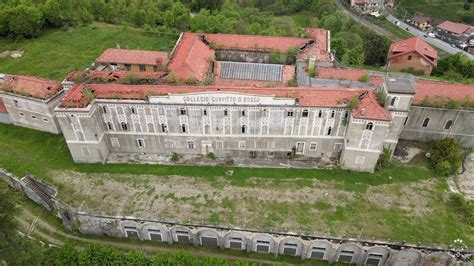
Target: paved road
436,42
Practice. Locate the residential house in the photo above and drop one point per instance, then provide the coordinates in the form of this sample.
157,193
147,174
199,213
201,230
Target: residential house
132,60
421,21
413,53
455,33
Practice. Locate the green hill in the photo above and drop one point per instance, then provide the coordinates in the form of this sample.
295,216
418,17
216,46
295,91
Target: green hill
440,9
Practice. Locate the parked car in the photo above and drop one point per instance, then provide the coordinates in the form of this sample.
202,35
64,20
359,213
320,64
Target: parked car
432,35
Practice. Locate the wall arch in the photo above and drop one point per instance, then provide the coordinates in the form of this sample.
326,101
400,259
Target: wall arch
235,240
321,250
291,246
130,229
209,238
155,232
181,234
349,253
377,256
264,243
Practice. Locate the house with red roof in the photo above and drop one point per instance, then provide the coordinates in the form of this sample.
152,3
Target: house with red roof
132,60
413,53
455,33
30,101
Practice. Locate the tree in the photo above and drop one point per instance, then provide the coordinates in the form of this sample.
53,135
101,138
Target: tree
354,56
456,66
24,21
446,156
339,47
178,17
376,49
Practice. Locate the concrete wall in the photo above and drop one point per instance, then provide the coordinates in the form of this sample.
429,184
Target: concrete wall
5,118
413,60
33,113
462,128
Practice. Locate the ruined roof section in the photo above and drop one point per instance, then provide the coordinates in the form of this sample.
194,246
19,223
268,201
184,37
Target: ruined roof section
341,73
37,88
438,90
254,42
191,57
306,96
138,57
320,47
414,44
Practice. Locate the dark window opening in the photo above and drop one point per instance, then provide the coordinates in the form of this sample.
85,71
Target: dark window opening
448,125
305,113
124,126
425,122
369,126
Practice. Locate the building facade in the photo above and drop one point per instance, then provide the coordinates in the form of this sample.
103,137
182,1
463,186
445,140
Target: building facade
412,54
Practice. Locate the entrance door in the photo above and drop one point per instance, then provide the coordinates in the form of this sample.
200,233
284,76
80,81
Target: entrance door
299,148
206,147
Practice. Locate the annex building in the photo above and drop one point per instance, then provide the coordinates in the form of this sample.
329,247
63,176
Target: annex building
239,96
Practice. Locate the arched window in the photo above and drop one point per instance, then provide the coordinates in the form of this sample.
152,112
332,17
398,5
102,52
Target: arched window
183,128
305,113
104,108
151,128
242,112
448,125
346,114
425,122
226,113
163,128
329,131
132,109
80,136
333,113
364,144
393,101
264,112
244,129
320,114
207,129
369,126
264,130
138,127
124,126
109,126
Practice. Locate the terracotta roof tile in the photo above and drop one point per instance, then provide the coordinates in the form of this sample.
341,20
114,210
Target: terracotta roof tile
414,44
436,90
306,96
3,109
341,73
254,42
31,86
457,28
125,56
190,58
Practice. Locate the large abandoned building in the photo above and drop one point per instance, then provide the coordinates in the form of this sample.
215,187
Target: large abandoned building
245,96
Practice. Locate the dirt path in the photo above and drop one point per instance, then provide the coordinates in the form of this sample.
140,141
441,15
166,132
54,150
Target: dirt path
27,215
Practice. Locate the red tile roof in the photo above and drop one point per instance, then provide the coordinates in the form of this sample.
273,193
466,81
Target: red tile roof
31,86
254,42
340,73
441,90
414,44
457,28
3,109
116,75
191,57
368,107
138,57
319,48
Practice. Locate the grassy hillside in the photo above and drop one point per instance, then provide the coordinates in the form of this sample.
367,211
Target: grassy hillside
56,52
440,9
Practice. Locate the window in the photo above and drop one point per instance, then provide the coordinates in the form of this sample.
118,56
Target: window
290,113
320,114
142,68
243,112
393,101
226,113
85,151
45,120
191,145
305,113
243,129
151,128
264,112
241,144
163,128
104,108
346,114
141,143
204,112
271,154
124,126
115,142
22,114
207,129
364,144
405,122
329,131
409,57
337,146
264,130
182,111
333,113
183,128
448,125
369,126
109,126
359,160
425,122
313,146
16,103
128,67
34,117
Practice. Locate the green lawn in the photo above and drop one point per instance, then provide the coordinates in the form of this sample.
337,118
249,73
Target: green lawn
57,52
439,9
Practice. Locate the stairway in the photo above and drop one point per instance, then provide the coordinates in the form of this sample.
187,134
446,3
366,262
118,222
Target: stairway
37,188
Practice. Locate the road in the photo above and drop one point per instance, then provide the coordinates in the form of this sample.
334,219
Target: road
433,41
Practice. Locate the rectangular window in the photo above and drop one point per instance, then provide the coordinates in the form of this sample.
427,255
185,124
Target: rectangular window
169,144
337,146
243,112
142,68
115,142
313,146
289,113
155,68
241,144
85,151
204,112
190,144
182,111
219,145
141,143
360,160
128,67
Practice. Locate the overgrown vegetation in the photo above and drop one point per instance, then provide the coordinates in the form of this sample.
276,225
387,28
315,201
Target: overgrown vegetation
384,159
456,67
465,209
454,10
381,97
446,156
444,102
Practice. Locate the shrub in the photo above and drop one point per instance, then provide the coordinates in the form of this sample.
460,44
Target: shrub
312,72
462,207
446,156
175,157
413,71
191,81
211,156
292,83
384,159
208,80
88,94
276,57
353,103
364,78
381,98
